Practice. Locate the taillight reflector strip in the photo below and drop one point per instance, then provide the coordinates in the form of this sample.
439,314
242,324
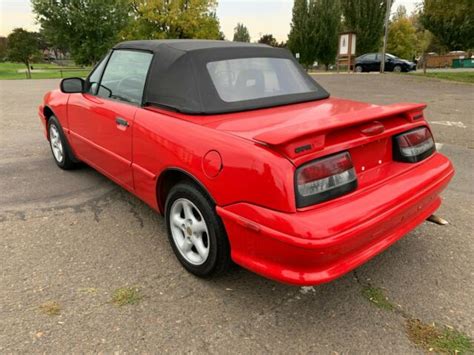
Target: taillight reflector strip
326,184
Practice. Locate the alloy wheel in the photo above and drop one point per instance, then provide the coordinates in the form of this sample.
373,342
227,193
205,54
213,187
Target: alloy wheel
56,144
189,231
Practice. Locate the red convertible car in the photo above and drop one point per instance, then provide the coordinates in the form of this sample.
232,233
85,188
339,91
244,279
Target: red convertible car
248,158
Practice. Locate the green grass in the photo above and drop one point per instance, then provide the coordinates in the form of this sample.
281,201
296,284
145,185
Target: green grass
10,70
463,77
89,290
51,308
440,340
377,297
126,295
428,337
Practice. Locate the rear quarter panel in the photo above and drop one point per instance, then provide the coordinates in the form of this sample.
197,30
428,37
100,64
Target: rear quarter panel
250,172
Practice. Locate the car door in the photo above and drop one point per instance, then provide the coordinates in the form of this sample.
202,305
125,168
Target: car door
368,62
101,119
375,64
389,62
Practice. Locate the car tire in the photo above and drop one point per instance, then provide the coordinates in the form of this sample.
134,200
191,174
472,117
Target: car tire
60,149
359,69
195,231
397,68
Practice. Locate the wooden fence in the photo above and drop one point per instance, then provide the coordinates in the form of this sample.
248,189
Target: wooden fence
442,61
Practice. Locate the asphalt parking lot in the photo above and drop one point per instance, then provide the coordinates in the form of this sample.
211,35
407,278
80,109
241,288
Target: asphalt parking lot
70,240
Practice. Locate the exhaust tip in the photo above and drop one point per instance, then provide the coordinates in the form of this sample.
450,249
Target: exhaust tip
437,220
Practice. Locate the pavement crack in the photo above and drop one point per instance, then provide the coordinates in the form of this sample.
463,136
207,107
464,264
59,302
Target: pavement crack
367,286
12,215
357,278
95,205
132,208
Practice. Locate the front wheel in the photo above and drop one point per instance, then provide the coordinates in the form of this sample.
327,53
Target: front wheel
397,69
195,231
58,144
359,69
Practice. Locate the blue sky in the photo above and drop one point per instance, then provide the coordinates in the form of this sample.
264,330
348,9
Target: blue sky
260,16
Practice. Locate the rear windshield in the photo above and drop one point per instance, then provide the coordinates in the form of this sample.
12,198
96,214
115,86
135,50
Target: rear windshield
256,78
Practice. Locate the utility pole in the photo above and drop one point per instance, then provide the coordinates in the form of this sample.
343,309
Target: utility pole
384,49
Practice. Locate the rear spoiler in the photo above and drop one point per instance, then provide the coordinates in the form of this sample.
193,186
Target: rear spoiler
283,135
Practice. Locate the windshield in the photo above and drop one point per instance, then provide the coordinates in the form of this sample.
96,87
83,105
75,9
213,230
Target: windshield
256,78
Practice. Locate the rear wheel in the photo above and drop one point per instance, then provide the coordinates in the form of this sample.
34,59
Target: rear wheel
195,231
58,144
397,69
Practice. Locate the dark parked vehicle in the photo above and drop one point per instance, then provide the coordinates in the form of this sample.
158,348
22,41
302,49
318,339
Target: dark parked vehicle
371,62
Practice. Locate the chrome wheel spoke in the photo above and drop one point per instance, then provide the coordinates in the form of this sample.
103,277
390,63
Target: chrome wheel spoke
186,245
177,221
200,247
188,211
199,227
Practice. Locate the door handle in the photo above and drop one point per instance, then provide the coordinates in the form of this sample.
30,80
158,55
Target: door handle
121,121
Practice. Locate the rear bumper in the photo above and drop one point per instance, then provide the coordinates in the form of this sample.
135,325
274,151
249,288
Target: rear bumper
318,245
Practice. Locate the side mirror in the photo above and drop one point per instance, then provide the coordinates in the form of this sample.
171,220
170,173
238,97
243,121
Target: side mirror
72,85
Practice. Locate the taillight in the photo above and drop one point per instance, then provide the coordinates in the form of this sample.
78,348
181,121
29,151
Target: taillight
413,146
324,179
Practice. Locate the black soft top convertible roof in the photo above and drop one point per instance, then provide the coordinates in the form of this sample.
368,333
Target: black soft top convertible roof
178,78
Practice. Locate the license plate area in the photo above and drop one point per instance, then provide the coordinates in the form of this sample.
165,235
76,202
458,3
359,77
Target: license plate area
372,155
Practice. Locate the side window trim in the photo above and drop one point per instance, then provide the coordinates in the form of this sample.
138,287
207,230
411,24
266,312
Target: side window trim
140,104
96,67
148,75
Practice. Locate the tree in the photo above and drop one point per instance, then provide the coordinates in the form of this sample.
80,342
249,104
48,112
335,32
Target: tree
400,12
299,40
22,47
325,21
268,39
162,19
314,30
3,48
401,35
366,18
452,22
425,40
88,28
241,33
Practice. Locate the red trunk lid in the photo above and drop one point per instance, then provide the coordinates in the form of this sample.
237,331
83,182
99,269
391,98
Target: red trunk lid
284,124
305,131
272,126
